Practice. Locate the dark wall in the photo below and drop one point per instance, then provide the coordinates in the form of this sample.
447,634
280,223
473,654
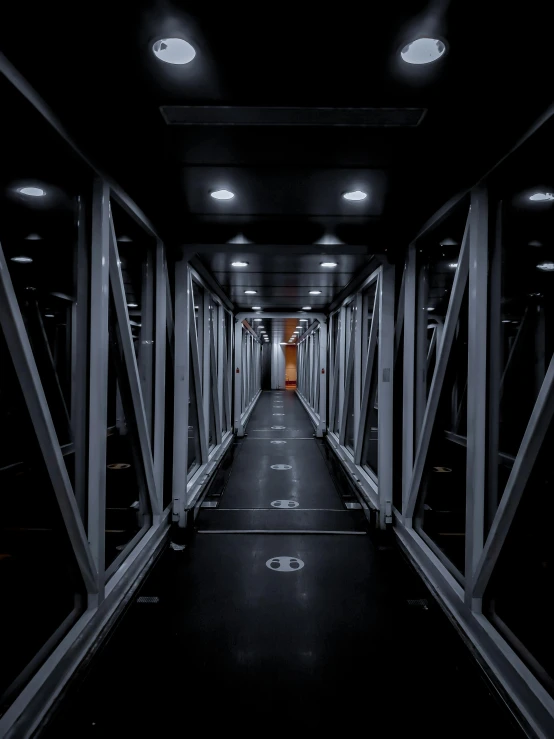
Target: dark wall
266,366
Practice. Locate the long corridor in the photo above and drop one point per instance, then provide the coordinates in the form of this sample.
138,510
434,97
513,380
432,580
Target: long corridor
282,614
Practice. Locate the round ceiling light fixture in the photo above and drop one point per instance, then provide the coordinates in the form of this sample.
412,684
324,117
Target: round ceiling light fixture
541,197
307,307
430,308
173,50
135,305
49,315
32,192
453,265
546,266
315,292
257,319
423,51
239,264
328,264
22,260
250,292
256,307
222,194
355,195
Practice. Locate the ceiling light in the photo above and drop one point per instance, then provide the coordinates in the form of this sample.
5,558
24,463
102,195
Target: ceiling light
534,243
33,192
294,333
174,50
328,264
256,307
430,308
506,321
453,265
250,292
303,320
135,305
541,196
257,319
222,194
307,307
355,195
448,242
546,266
315,292
22,260
423,51
299,327
239,264
49,315
33,237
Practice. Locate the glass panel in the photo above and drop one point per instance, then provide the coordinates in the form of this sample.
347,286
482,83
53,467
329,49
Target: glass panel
442,501
127,509
194,454
198,301
169,420
42,592
523,332
370,449
519,597
349,431
137,257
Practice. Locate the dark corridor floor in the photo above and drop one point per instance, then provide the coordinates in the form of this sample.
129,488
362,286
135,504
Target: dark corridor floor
348,641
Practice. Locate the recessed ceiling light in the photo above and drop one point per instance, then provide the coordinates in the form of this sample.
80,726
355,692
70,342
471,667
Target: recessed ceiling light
33,237
506,321
535,243
315,292
222,195
135,305
256,307
49,315
303,320
546,266
423,51
355,195
453,265
32,192
307,307
541,196
250,292
239,264
257,319
22,260
174,50
328,264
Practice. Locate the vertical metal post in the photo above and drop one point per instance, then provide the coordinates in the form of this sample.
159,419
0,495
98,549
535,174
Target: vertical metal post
159,373
146,348
183,287
495,366
98,379
80,354
358,354
408,400
341,349
385,380
204,352
477,384
238,378
420,367
220,338
322,378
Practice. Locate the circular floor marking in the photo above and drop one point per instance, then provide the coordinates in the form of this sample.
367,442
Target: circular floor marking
281,467
278,414
284,564
285,504
278,442
278,428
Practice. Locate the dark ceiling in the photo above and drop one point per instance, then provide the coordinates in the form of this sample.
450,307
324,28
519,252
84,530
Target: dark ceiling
93,65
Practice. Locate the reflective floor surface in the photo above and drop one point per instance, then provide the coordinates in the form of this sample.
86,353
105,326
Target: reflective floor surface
282,618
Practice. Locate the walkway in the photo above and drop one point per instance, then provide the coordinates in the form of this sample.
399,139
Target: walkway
283,617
